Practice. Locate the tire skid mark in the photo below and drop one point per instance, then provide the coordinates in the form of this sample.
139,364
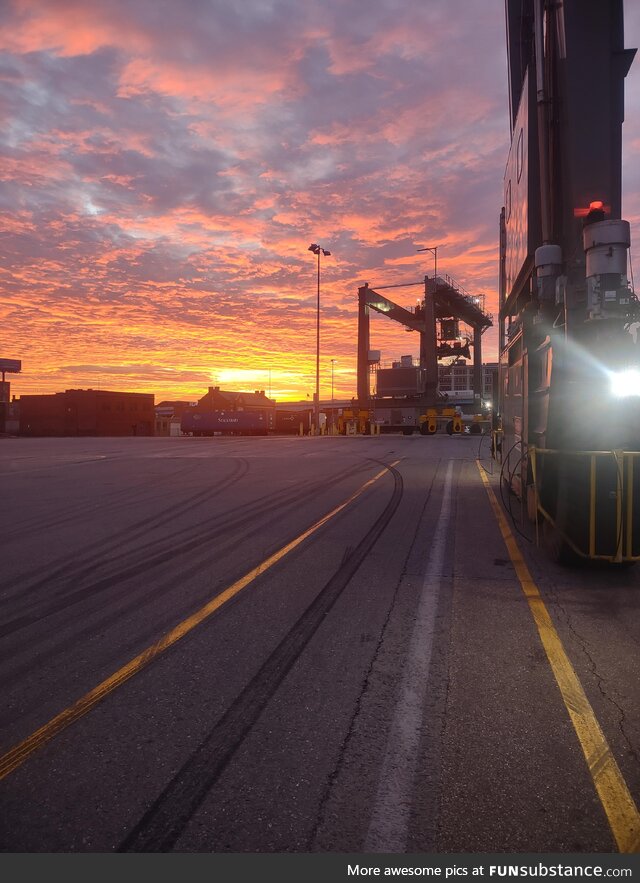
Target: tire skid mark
160,827
110,500
13,658
22,751
69,564
334,775
157,553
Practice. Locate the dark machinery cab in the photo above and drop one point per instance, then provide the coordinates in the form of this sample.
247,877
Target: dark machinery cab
569,403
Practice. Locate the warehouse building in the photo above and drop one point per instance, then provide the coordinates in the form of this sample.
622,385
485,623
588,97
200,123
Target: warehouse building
456,381
79,412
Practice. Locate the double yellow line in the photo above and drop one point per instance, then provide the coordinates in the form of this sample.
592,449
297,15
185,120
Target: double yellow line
616,800
17,755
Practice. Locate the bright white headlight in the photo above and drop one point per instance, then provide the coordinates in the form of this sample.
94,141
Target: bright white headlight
625,383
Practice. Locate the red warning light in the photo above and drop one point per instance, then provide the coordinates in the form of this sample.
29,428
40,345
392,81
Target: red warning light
596,206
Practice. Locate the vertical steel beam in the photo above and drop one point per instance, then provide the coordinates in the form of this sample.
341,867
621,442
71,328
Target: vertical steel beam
428,343
477,362
363,347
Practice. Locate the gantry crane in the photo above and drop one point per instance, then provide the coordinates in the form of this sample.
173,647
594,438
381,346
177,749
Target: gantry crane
443,301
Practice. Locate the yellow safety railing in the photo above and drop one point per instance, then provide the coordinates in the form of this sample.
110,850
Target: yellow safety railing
624,499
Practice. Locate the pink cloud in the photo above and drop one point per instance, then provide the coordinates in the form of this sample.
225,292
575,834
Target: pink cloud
163,174
67,28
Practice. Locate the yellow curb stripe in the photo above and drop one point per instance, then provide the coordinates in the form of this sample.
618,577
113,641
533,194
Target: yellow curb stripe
17,755
617,802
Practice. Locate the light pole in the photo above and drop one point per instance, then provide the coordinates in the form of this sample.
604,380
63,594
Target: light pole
333,410
318,250
434,252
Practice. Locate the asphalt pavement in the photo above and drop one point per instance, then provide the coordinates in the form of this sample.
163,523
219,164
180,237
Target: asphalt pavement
282,644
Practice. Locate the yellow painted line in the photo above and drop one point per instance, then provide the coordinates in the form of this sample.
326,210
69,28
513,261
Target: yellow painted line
17,755
592,506
618,804
629,505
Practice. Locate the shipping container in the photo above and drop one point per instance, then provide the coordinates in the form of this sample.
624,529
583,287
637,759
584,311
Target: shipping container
289,422
210,423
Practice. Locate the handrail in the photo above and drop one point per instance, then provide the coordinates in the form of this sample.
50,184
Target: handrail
623,492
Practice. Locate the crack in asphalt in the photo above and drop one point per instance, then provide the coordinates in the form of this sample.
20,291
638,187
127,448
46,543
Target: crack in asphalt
600,680
349,735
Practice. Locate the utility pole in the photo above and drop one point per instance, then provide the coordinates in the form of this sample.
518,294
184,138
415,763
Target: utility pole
318,250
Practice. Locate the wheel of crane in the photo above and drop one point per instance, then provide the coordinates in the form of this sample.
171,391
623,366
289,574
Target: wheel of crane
556,547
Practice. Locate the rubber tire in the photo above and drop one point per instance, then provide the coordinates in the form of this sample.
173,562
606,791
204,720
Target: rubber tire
557,549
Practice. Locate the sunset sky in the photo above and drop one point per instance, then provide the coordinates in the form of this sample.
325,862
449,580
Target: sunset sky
165,165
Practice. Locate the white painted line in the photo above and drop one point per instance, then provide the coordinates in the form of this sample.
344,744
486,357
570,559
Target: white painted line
389,824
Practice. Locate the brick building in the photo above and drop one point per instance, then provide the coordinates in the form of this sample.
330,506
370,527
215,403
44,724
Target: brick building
456,381
77,412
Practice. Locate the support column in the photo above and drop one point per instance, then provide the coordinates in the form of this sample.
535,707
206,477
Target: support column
363,347
428,350
477,364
